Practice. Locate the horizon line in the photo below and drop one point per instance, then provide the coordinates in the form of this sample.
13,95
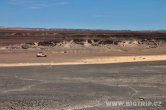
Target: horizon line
56,28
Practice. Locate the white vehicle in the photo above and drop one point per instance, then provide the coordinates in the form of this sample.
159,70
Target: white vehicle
40,54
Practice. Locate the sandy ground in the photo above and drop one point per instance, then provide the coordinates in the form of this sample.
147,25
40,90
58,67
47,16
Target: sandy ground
61,82
82,72
80,55
95,60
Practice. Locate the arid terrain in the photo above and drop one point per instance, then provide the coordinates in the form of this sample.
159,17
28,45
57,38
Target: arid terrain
20,45
83,87
83,70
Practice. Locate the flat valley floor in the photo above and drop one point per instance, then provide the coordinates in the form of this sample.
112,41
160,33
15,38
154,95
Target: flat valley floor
83,87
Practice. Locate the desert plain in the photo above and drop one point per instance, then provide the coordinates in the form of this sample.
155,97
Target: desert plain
83,70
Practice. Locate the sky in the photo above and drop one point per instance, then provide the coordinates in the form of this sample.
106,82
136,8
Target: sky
84,14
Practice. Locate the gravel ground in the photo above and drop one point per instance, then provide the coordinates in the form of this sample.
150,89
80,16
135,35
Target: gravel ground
83,87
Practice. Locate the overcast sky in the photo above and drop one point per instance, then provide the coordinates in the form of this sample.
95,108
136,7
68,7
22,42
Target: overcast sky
85,14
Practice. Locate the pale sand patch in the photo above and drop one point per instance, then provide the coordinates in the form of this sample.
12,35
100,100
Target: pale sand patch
95,60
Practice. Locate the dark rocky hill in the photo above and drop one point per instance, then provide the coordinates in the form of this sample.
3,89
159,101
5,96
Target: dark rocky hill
10,36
